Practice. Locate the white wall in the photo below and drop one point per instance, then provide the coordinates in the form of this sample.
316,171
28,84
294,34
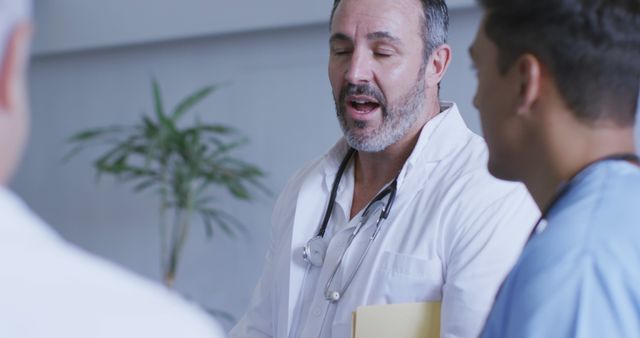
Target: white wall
278,95
72,25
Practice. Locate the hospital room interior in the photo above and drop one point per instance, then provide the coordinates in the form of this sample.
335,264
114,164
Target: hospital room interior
260,68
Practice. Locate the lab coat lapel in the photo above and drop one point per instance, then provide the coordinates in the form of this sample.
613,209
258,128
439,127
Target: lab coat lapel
310,207
439,138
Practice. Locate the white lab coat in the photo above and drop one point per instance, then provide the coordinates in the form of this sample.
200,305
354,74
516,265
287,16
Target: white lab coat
452,235
50,289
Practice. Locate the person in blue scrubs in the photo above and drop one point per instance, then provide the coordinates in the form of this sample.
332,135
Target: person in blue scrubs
558,84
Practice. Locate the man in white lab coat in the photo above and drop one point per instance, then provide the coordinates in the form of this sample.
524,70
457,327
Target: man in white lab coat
443,230
47,287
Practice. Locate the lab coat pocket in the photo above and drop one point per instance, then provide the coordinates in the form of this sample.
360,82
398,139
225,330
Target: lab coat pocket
408,278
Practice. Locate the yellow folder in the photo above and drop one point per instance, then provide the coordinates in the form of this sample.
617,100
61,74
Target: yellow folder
416,320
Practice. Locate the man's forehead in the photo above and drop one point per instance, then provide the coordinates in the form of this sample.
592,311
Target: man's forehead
377,35
369,16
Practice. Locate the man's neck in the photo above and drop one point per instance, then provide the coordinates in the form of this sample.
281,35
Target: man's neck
378,168
381,167
572,153
372,170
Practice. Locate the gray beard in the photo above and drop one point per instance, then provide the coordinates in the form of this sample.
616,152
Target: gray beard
397,119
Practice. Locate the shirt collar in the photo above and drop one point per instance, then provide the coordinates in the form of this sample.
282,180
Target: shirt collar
332,161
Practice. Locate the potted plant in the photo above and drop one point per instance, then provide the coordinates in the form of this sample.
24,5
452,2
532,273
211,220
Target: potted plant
181,163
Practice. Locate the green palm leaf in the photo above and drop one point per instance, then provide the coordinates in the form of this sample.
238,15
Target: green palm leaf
189,168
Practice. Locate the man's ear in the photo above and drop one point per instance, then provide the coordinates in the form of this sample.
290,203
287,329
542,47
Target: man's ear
13,64
437,65
528,73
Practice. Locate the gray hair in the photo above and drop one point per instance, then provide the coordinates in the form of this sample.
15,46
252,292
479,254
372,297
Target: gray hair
435,24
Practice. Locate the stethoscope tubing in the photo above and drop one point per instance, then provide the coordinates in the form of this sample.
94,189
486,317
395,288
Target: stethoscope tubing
334,191
390,190
330,295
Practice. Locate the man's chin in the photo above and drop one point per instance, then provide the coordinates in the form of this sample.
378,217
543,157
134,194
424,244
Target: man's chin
364,144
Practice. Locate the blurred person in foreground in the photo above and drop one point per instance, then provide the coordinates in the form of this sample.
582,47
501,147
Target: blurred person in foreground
49,288
558,84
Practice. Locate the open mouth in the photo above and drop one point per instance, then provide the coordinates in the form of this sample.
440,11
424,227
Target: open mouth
363,105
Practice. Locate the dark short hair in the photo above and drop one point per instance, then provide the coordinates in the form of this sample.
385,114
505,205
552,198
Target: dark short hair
590,47
436,24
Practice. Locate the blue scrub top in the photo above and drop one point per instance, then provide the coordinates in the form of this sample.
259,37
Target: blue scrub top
580,277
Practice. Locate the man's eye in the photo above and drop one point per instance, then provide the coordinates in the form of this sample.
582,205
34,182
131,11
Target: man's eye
383,53
341,51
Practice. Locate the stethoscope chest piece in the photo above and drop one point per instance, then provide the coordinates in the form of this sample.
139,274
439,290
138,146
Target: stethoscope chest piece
314,251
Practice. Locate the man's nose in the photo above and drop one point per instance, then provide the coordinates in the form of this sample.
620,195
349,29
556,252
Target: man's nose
360,68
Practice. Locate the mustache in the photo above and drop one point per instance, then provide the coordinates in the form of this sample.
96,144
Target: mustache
362,89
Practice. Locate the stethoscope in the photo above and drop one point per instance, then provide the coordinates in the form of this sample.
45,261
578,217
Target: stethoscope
565,186
315,250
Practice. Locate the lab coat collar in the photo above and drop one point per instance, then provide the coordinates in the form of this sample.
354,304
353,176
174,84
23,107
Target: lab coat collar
439,138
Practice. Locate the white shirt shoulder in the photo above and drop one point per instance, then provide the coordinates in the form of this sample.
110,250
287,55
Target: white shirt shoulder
52,289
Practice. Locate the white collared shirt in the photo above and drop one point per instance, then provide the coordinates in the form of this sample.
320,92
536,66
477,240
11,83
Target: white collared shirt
51,289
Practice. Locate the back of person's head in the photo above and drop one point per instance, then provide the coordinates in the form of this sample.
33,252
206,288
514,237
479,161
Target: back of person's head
591,48
15,37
